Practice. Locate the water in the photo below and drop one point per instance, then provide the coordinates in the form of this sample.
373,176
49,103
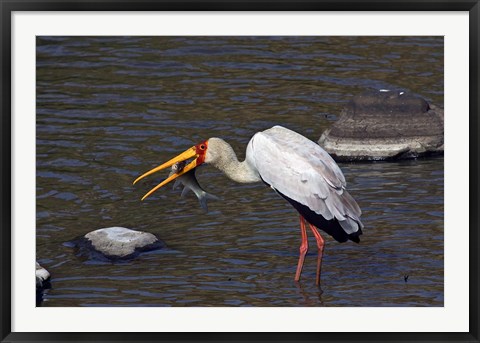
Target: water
110,108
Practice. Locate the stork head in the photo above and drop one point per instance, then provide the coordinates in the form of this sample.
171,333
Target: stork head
197,152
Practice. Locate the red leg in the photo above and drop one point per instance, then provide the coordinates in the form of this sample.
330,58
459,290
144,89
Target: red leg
303,249
320,245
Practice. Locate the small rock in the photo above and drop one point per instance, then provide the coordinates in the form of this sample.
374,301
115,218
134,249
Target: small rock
385,125
42,281
119,243
42,276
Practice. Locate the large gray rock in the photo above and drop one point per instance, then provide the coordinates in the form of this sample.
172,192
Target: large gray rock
119,242
385,125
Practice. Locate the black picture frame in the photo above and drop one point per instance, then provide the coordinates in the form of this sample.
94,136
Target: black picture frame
7,7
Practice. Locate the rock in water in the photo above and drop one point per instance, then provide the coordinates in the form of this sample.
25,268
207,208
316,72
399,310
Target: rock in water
42,281
119,242
385,125
42,276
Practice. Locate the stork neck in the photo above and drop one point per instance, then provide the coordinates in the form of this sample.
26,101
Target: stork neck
237,171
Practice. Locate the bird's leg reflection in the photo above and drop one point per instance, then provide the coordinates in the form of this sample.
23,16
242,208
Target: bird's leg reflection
320,245
309,300
303,249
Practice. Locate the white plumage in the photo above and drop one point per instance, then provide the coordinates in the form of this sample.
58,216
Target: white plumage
301,170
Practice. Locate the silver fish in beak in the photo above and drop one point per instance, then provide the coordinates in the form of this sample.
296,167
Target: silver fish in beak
190,183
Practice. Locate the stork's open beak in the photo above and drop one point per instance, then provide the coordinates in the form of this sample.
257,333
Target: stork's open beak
192,152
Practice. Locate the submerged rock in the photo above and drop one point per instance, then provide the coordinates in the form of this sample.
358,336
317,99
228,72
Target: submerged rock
385,125
115,243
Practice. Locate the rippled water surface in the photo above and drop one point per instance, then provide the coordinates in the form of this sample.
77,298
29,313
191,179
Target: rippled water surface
110,108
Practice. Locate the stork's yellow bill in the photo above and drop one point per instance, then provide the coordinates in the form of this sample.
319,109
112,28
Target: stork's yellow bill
197,151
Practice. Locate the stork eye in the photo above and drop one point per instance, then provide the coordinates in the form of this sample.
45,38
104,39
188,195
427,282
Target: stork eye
202,147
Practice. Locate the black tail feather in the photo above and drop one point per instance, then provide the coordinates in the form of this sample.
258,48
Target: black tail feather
331,227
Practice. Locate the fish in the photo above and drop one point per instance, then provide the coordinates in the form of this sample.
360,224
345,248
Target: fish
190,183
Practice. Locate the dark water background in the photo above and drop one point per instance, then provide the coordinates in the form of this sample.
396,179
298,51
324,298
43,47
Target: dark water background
110,108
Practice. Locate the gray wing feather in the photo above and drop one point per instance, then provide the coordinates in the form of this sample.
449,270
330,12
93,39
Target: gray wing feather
301,170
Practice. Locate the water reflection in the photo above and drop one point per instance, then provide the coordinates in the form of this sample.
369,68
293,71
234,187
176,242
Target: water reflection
109,108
